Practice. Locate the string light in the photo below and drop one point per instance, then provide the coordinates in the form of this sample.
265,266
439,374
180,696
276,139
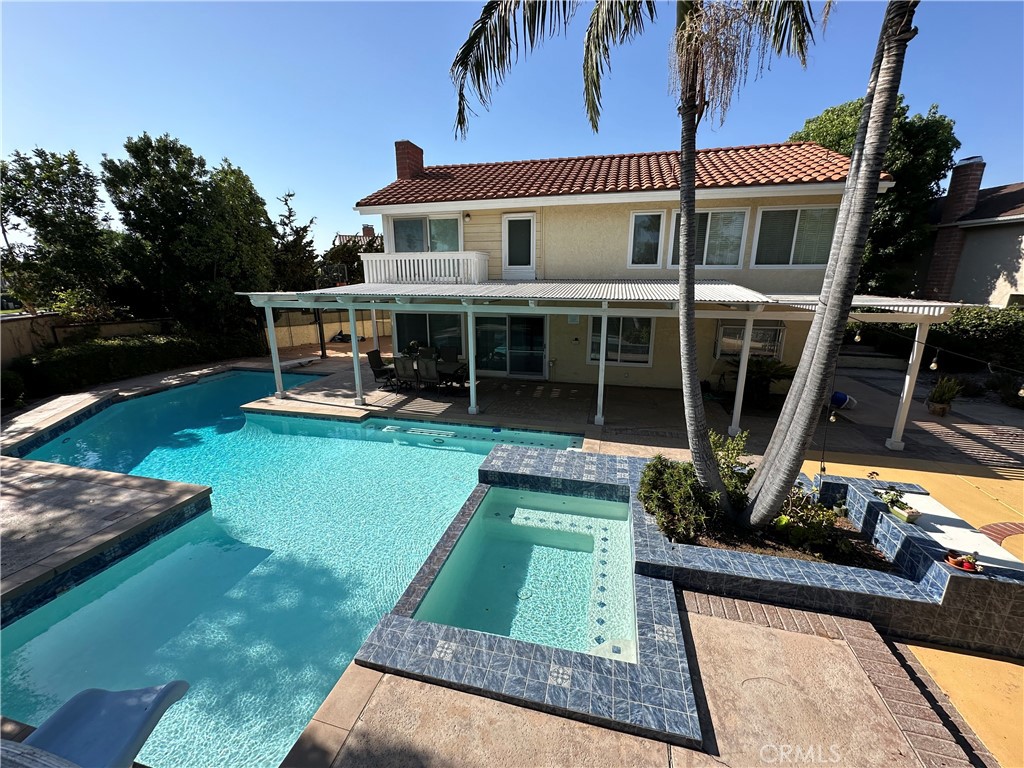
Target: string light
832,417
935,364
857,337
1020,392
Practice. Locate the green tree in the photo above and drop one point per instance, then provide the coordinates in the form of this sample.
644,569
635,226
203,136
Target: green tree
203,235
294,254
159,192
49,202
343,261
715,42
920,154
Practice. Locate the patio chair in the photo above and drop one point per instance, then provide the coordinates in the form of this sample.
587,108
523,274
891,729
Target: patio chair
427,369
449,354
383,375
405,372
428,353
105,728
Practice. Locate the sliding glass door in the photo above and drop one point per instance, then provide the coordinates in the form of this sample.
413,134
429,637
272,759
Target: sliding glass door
512,345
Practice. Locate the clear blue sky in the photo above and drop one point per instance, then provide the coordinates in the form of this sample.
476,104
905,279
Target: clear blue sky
310,97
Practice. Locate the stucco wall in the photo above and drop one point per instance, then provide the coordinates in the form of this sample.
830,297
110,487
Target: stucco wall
991,265
592,242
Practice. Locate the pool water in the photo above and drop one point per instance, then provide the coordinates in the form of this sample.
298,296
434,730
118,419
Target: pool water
544,568
316,529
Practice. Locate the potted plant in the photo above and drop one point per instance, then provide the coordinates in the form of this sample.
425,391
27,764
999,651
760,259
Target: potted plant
897,506
964,562
941,397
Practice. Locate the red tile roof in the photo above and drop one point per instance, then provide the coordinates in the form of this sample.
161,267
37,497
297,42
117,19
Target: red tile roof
730,167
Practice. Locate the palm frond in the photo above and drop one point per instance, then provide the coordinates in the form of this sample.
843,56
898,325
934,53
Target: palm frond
612,22
717,44
493,46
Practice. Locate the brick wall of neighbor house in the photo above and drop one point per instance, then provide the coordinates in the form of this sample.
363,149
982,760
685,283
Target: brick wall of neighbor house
991,265
591,242
964,184
408,159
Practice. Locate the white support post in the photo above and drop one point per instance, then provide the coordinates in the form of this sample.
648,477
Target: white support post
471,347
741,376
355,357
274,357
895,443
599,416
376,337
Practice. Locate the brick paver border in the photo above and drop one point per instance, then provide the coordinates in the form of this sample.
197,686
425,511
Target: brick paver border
1000,531
940,737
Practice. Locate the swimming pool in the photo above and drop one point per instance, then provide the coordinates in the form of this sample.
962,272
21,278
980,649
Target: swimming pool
545,568
316,528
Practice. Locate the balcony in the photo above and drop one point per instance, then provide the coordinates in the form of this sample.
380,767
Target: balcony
448,267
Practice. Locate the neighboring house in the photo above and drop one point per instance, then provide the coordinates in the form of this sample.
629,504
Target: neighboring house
368,236
567,269
978,254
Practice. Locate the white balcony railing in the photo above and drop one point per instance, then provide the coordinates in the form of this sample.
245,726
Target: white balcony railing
446,267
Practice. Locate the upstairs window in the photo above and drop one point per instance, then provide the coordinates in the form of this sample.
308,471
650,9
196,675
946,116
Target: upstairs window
645,239
719,238
426,234
795,237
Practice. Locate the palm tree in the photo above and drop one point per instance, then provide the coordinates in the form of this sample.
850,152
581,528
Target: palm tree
781,463
714,46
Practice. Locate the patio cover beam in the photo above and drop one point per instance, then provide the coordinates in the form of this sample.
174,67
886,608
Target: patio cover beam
741,376
275,359
599,416
355,356
895,442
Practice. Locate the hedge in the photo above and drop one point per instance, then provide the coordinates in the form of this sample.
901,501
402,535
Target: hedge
57,370
982,333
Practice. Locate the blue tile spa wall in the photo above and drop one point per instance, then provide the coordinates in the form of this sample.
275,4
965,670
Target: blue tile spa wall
653,697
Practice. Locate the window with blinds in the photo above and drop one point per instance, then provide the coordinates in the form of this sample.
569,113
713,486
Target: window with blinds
797,237
719,239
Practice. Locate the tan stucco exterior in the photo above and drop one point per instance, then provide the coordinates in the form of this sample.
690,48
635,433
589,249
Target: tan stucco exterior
991,265
591,242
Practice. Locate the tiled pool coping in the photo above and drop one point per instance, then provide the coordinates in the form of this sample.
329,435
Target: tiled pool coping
653,697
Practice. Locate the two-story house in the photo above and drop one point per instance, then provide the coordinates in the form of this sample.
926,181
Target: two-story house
567,269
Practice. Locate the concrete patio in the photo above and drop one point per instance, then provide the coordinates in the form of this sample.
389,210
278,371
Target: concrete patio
971,461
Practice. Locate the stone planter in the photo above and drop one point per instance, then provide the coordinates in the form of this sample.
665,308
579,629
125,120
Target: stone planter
906,515
938,409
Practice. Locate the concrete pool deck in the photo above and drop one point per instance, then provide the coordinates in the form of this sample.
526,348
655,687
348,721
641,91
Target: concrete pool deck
972,467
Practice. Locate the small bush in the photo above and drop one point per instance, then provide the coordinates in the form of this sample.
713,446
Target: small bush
805,522
682,507
57,370
1007,386
12,388
945,390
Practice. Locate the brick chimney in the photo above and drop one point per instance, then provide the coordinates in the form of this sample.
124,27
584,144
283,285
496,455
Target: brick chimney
408,159
368,230
964,184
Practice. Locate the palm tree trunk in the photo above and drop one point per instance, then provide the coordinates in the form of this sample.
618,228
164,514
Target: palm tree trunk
821,353
796,389
703,457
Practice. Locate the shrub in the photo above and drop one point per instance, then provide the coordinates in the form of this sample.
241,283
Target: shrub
57,370
682,508
669,490
12,387
805,522
1008,387
945,391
